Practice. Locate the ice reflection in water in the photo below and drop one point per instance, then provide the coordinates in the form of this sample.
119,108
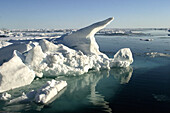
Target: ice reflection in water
82,92
123,75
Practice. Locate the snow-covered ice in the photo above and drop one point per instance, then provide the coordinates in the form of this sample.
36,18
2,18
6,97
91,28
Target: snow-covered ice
4,44
5,96
43,95
15,73
84,40
49,90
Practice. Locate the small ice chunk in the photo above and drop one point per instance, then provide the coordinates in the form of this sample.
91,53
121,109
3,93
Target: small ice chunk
5,96
146,39
124,54
123,58
24,98
4,44
49,90
156,54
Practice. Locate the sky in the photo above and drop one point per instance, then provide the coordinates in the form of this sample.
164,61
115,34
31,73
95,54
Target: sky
62,14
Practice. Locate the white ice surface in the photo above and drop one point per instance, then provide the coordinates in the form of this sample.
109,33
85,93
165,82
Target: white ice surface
43,95
4,44
15,73
49,90
58,59
156,54
34,58
5,96
84,40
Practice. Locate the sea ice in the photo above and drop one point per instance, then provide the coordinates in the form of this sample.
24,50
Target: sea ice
15,73
43,95
49,90
4,44
156,54
5,96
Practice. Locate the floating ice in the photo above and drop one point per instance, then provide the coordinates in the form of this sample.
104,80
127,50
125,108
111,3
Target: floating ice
43,95
49,90
161,98
123,58
4,44
146,39
156,54
15,73
5,96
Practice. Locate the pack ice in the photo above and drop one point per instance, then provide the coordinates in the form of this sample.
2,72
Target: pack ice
72,54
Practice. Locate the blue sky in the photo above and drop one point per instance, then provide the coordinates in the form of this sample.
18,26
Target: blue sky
35,14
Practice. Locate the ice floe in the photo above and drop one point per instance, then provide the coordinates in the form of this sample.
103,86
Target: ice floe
5,96
156,54
4,44
49,90
43,95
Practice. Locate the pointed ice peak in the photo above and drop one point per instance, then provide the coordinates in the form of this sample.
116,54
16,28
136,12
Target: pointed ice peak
83,39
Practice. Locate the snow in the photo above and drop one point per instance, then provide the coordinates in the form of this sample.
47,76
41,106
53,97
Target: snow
4,44
15,73
84,40
5,96
49,90
61,60
33,58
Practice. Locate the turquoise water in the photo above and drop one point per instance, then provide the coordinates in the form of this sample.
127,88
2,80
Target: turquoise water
142,87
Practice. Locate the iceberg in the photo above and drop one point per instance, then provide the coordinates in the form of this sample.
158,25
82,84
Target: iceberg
15,73
73,54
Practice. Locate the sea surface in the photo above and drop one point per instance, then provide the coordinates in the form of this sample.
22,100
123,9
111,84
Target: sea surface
144,87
